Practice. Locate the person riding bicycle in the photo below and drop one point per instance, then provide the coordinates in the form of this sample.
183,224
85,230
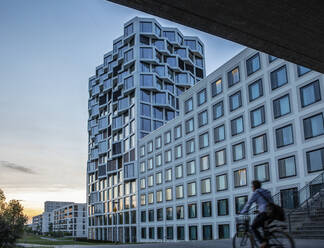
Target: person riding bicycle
261,197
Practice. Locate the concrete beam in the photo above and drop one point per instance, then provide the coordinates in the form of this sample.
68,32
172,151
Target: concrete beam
292,30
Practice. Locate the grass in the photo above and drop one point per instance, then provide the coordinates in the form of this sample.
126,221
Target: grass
36,239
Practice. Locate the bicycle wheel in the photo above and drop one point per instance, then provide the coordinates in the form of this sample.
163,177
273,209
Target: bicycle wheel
245,240
280,239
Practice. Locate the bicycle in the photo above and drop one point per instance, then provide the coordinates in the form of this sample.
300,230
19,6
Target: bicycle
274,235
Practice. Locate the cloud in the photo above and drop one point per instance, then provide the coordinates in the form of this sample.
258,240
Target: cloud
16,167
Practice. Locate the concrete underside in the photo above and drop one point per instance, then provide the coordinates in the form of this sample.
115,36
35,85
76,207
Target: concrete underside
292,30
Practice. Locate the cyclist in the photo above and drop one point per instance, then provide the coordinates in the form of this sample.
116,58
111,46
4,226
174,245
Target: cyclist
261,197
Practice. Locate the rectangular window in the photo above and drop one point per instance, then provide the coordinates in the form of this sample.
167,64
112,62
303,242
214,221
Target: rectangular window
222,207
301,70
281,106
151,232
178,151
158,160
193,233
271,58
205,186
150,164
168,175
216,87
143,200
240,178
158,142
207,232
168,194
191,189
159,232
169,231
204,163
145,110
146,53
261,172
255,90
142,151
224,231
240,202
235,101
142,182
189,125
253,64
143,233
168,156
259,144
315,160
220,157
150,198
284,136
206,209
180,233
158,178
167,137
221,182
143,216
188,105
237,126
146,27
128,30
313,126
218,110
287,167
192,210
278,77
177,132
233,77
238,151
203,118
159,196
310,93
219,133
180,212
191,167
179,171
202,97
190,146
169,213
179,192
150,181
257,117
203,140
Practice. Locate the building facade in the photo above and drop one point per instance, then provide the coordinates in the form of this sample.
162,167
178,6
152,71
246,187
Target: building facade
71,220
37,223
135,91
255,117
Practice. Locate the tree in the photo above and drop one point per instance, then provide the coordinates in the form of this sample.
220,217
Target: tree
12,221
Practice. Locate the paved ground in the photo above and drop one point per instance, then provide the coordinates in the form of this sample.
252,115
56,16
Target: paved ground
301,243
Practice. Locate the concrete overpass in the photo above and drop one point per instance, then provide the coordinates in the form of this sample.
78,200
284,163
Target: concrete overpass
289,29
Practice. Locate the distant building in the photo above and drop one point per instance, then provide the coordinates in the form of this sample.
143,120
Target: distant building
49,206
37,223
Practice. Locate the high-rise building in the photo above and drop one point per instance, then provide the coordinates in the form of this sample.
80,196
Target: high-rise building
255,117
135,91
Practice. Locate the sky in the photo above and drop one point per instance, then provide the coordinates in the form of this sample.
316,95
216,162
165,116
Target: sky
48,50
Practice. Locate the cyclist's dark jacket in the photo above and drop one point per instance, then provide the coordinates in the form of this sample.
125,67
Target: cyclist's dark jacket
259,200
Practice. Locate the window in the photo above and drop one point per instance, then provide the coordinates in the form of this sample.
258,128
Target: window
224,231
145,96
235,101
178,171
168,194
178,151
191,189
281,106
259,144
142,151
167,137
191,167
180,212
301,70
169,213
150,197
168,175
255,90
168,156
177,132
219,133
150,164
315,160
150,181
158,142
159,197
179,191
240,178
222,207
158,160
143,216
143,183
240,202
203,118
278,77
253,64
257,117
221,182
237,126
204,163
158,178
202,97
170,35
193,232
284,136
220,157
142,166
233,77
143,200
145,67
261,172
205,186
238,151
146,27
287,167
160,232
128,30
145,110
189,125
143,233
192,210
190,146
180,233
146,124
207,232
151,232
216,87
146,53
206,209
313,126
203,140
310,93
271,58
188,105
218,110
128,56
169,231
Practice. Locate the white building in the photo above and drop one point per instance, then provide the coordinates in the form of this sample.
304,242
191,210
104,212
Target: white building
71,220
37,223
256,116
